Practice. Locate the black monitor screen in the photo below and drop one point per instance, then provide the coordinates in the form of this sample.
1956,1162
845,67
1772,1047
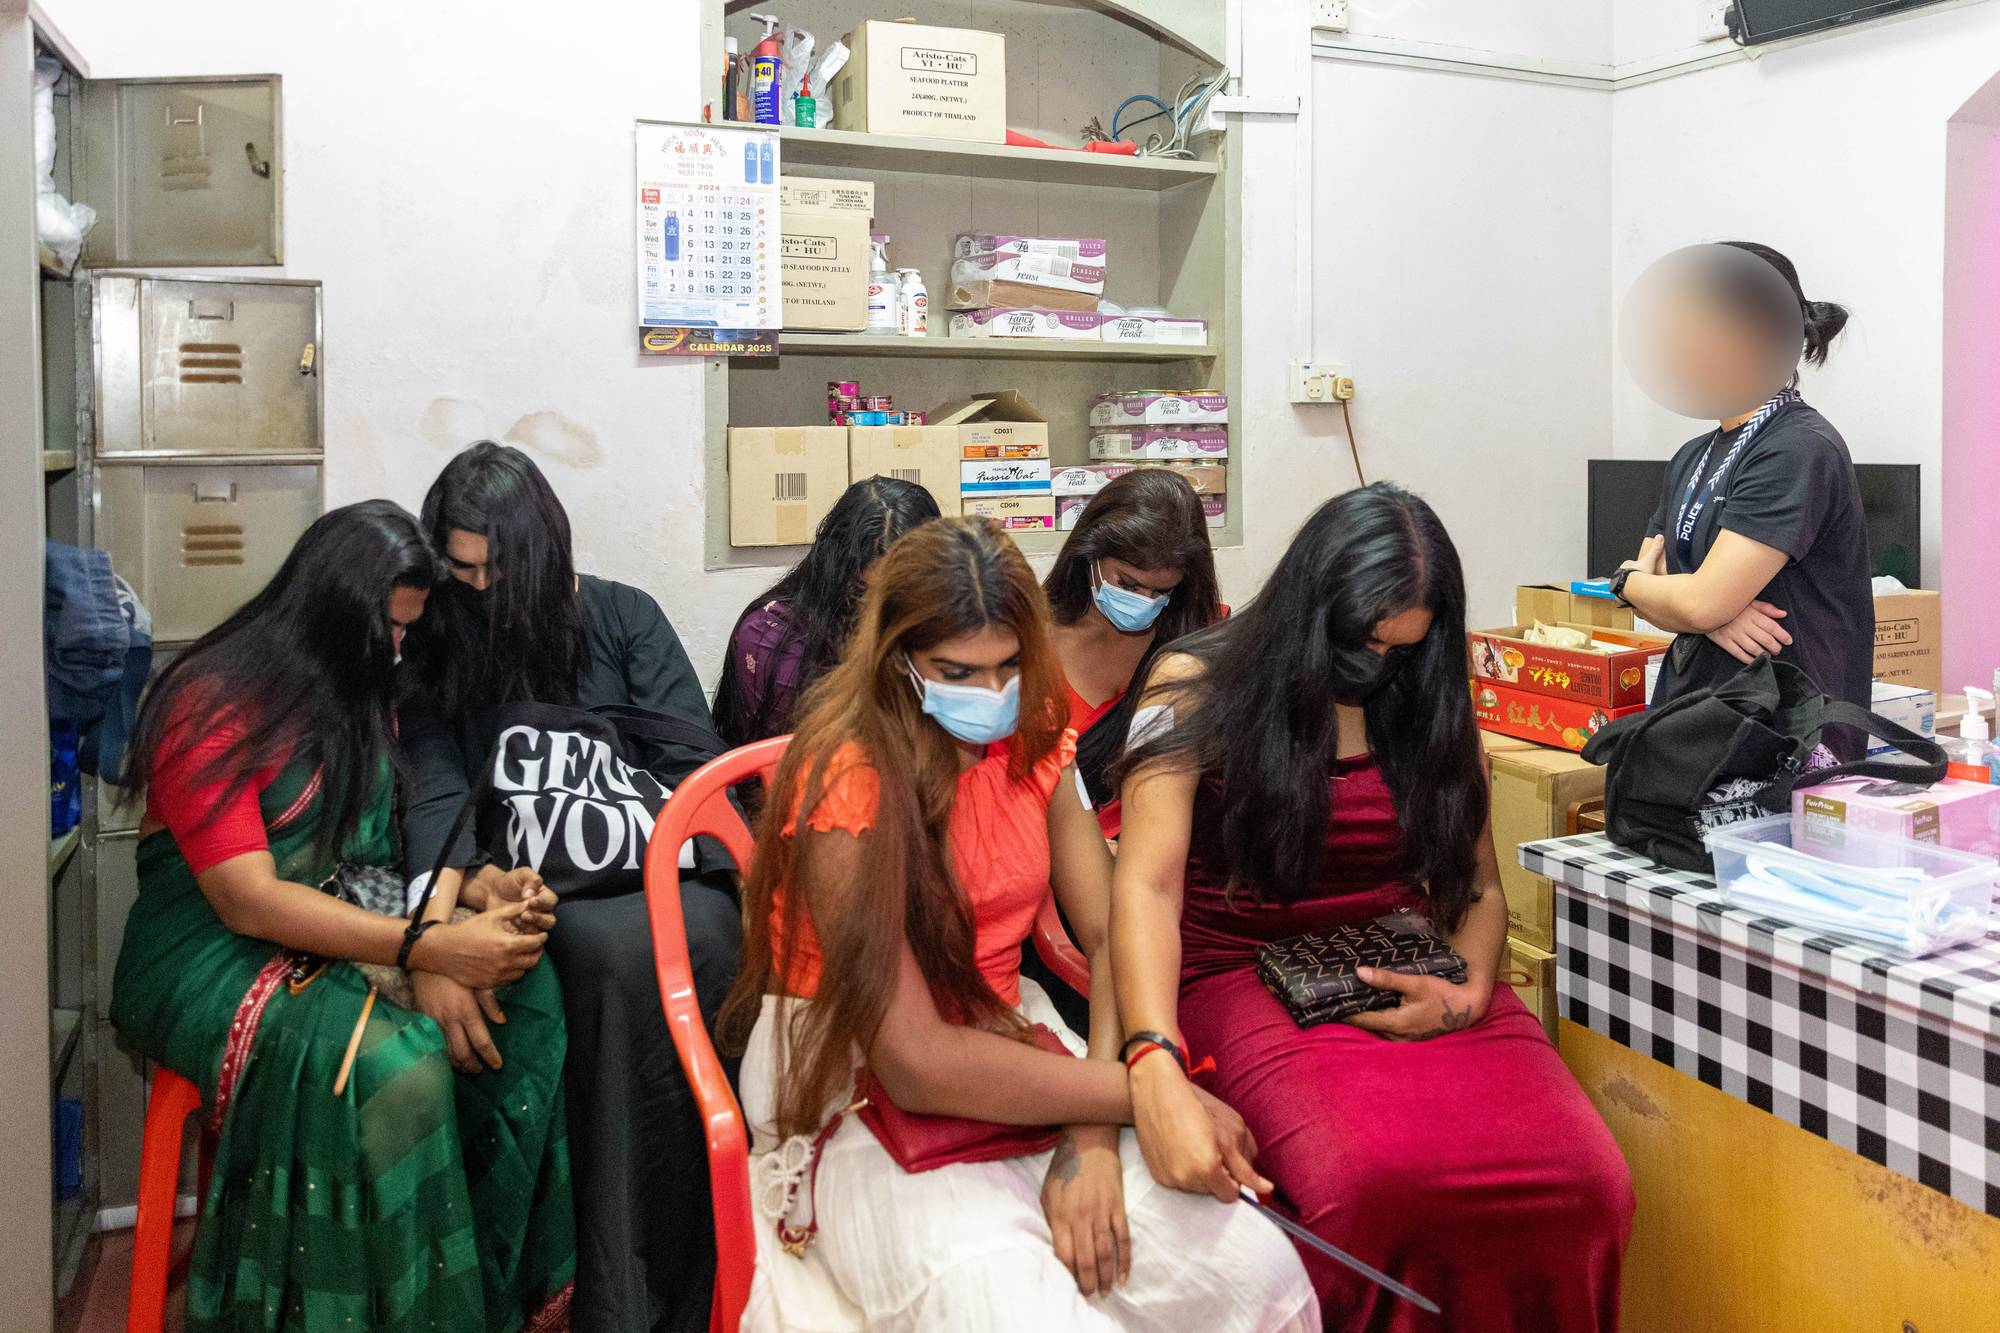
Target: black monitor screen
1624,492
1770,20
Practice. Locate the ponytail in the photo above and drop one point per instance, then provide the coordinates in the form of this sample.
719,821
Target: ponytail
1823,320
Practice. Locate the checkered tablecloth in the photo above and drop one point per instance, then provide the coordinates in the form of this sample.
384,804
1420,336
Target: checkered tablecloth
1898,1060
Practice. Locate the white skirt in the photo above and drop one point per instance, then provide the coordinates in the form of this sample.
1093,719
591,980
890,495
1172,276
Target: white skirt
967,1248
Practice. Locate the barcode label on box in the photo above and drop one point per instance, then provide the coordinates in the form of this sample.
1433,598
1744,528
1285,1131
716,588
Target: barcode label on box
913,475
1048,266
789,486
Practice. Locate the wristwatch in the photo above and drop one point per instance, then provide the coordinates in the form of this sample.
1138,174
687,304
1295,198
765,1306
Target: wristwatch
1618,585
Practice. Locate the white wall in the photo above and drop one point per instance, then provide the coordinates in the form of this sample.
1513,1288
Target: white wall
1834,152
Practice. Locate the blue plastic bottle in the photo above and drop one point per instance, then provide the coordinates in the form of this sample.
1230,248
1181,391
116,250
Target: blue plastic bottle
767,160
766,68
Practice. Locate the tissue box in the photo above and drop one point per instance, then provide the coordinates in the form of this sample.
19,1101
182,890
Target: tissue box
1964,816
1062,325
1140,443
1913,709
972,244
1160,407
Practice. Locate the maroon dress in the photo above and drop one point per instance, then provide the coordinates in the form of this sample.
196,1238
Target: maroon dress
1470,1165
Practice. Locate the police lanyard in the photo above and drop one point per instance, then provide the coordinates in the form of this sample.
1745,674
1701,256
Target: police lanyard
1691,503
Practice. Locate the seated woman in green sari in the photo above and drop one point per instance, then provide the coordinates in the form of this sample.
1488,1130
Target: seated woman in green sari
418,1198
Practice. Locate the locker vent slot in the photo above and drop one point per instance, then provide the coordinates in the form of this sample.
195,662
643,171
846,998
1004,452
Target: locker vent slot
211,363
211,544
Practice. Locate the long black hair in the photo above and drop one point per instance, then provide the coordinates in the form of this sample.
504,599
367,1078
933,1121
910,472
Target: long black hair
1823,319
522,637
821,596
1150,518
305,668
1259,723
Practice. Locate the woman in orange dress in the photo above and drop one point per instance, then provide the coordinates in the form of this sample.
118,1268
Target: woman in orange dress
926,805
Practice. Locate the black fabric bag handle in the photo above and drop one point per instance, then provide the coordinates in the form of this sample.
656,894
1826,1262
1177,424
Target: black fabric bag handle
1932,766
481,787
644,723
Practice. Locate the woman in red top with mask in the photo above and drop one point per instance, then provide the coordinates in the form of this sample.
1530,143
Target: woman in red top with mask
925,807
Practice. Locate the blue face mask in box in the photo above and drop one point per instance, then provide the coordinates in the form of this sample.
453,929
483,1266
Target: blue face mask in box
1126,610
972,713
1823,899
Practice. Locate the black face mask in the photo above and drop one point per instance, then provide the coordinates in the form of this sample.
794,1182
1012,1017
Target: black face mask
1359,674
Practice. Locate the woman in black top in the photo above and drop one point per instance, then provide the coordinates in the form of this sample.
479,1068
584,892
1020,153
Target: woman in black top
1759,543
515,623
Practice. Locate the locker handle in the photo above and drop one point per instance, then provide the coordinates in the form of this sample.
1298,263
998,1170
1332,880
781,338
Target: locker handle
258,165
307,357
213,492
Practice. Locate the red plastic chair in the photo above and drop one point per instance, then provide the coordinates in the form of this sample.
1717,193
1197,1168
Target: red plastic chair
172,1100
700,805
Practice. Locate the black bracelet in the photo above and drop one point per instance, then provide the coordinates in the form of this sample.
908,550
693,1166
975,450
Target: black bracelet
1165,1043
411,935
1618,587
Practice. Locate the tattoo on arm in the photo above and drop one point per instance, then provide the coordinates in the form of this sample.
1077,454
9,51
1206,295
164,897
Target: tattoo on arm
1455,1019
1067,1160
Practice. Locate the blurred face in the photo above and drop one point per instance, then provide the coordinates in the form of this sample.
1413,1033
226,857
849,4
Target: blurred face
988,659
1712,331
406,608
1401,632
1145,582
466,555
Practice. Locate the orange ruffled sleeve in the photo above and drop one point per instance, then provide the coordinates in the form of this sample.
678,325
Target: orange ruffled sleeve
1048,772
850,793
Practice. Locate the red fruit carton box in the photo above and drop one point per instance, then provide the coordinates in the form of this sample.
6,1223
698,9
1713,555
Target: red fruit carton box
1543,718
1611,680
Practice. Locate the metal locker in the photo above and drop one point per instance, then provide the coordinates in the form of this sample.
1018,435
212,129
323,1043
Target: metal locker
200,367
181,171
196,541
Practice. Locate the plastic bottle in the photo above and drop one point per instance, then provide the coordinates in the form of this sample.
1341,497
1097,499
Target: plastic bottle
1973,755
766,71
731,53
913,304
884,289
805,111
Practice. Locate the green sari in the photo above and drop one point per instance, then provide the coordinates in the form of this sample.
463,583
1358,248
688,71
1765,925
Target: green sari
419,1199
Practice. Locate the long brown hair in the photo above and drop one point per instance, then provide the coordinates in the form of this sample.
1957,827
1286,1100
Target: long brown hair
1150,518
944,580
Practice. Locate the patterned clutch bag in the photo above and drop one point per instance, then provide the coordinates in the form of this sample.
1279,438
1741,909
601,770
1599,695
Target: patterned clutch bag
1313,976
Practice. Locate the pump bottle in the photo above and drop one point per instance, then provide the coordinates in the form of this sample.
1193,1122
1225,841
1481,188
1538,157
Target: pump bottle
766,71
884,289
1973,755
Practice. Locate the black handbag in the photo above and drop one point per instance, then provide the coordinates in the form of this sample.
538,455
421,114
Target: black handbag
574,792
1314,976
1731,753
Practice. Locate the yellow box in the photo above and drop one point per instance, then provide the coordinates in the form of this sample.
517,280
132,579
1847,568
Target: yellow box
782,481
910,78
1532,974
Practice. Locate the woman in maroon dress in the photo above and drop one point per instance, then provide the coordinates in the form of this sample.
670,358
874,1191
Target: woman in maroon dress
1307,764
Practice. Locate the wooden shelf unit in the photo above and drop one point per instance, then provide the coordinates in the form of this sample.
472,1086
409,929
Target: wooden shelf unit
984,349
987,161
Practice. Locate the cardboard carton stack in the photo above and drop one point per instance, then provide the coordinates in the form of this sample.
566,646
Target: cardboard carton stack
1186,432
1002,452
823,251
1026,287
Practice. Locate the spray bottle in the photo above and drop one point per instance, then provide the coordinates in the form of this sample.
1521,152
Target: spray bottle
1973,755
884,289
913,304
766,73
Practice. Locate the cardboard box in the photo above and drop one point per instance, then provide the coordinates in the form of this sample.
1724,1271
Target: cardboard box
1056,273
1153,329
1159,408
1532,974
1085,481
1964,816
1553,605
782,481
1005,476
808,194
1069,511
926,455
1542,718
1013,511
1059,325
997,424
995,293
1909,640
1215,509
1151,443
1614,680
910,78
824,260
1914,709
1533,789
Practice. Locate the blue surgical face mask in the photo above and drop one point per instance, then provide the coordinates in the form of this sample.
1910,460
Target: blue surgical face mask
972,713
1127,611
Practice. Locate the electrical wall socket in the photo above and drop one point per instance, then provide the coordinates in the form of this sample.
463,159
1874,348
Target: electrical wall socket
1330,14
1317,382
1711,20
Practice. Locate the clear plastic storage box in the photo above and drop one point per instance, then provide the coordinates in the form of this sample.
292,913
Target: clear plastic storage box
1903,897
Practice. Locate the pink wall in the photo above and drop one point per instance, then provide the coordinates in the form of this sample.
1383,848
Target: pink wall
1970,517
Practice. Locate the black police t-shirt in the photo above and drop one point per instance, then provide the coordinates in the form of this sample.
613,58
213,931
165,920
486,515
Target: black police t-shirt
1792,489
